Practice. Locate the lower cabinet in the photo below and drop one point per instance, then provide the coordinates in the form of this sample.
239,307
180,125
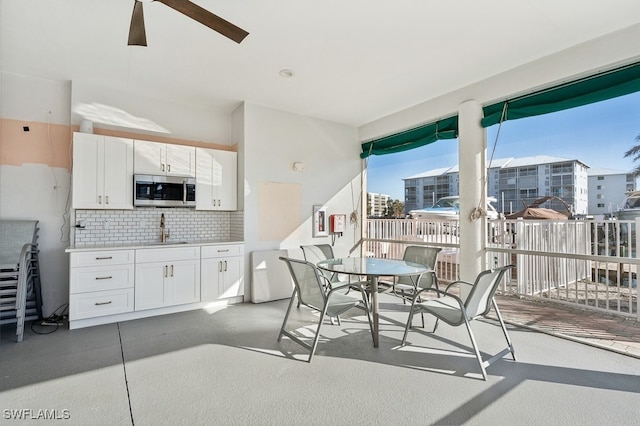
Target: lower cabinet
106,286
100,283
222,272
166,277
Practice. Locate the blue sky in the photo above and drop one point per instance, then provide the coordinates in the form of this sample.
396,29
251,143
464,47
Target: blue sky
597,134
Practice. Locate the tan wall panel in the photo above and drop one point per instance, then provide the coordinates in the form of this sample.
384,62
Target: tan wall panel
43,144
279,207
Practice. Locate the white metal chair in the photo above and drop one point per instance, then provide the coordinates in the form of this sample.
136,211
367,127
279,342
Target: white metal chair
310,292
456,310
405,287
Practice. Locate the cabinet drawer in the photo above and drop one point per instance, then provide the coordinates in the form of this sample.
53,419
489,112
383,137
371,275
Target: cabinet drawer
100,258
222,251
100,303
100,278
167,254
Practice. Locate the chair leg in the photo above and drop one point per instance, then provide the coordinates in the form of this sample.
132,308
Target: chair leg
504,330
406,328
317,336
286,316
475,349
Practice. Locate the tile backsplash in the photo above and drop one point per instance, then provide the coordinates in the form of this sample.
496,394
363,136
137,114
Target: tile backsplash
142,225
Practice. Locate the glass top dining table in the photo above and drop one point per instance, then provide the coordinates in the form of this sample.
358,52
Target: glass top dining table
373,268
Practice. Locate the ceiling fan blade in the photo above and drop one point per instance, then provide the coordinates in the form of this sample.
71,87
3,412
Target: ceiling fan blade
207,18
137,34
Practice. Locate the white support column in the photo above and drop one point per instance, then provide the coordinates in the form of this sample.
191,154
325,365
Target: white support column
472,159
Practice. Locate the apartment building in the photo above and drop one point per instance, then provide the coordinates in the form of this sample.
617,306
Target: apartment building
512,181
377,204
607,188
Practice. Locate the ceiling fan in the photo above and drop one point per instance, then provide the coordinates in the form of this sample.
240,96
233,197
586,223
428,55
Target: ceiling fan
138,37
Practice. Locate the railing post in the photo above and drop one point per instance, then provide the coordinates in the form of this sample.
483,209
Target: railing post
634,253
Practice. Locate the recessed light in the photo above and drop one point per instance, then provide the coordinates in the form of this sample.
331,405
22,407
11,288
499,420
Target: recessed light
286,73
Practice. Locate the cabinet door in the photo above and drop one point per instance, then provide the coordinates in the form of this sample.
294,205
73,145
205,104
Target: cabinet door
149,158
149,285
204,183
183,284
180,160
225,180
216,179
210,278
232,283
118,173
88,172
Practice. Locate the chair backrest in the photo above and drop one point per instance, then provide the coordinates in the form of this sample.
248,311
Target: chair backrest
307,281
424,255
13,235
479,299
316,253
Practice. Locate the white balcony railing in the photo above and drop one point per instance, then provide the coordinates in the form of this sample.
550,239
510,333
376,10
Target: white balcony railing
591,263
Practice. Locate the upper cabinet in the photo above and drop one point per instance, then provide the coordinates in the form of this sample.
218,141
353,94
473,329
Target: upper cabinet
102,172
216,179
155,158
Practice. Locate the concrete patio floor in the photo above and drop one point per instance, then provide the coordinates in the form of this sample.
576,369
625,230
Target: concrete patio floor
224,366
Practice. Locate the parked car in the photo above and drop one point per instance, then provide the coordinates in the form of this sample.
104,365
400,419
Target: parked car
448,208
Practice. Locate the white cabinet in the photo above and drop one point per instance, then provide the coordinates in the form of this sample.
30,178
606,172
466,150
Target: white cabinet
222,272
167,277
100,283
117,284
102,172
216,179
155,158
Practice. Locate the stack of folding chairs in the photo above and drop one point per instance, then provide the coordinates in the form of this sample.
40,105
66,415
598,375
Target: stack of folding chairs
20,295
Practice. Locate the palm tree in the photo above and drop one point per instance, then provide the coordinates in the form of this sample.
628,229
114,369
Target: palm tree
635,153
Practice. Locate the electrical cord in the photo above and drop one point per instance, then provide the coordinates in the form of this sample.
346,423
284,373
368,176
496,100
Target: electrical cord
52,322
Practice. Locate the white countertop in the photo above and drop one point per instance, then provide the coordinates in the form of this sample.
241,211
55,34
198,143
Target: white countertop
147,245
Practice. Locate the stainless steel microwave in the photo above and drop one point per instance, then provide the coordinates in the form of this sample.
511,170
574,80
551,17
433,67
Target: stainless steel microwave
164,191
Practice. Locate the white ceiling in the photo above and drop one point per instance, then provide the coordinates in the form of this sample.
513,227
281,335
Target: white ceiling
354,60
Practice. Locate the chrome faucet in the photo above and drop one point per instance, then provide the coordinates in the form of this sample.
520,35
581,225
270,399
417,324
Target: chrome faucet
163,235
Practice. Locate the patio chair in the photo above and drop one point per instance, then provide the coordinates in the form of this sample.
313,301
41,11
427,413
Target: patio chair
456,310
317,252
405,287
310,292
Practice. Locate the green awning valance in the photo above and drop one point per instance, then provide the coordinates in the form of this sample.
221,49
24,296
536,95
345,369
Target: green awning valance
446,128
600,87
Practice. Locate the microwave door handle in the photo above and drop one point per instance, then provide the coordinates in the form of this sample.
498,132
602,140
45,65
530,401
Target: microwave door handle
184,192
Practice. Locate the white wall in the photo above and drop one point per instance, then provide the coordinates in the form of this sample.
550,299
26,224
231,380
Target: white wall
272,141
33,190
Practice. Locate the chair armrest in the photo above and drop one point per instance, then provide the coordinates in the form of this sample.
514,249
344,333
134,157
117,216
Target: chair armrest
458,282
439,293
354,285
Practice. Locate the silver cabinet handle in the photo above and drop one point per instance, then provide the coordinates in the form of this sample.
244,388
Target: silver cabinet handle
223,250
99,199
168,167
225,265
104,258
106,199
104,278
162,167
171,270
166,268
220,266
102,303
